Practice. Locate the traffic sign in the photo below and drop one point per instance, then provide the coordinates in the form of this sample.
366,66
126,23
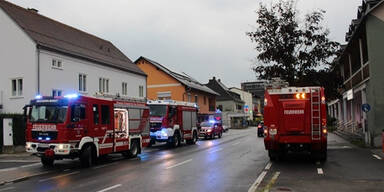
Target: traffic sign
366,107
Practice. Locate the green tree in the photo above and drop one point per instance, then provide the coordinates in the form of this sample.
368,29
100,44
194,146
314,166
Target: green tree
295,50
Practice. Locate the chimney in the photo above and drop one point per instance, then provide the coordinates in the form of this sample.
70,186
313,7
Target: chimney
33,10
219,80
214,78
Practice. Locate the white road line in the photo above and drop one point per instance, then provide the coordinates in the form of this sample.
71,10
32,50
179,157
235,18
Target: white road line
184,162
236,143
7,188
216,150
30,165
19,161
268,166
59,176
376,156
320,171
256,184
109,188
8,169
101,166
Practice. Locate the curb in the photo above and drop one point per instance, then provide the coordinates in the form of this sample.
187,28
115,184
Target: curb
19,179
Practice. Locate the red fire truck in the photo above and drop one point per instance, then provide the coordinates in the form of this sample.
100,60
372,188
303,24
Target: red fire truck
295,120
84,127
173,122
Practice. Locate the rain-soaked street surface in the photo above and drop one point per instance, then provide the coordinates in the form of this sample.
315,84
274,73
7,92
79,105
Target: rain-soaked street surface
236,162
231,163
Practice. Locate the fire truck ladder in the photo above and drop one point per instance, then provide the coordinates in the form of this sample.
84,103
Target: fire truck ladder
315,113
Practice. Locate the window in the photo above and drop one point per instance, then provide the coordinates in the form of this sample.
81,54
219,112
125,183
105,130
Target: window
189,97
57,64
82,82
17,87
103,85
56,93
77,112
141,91
104,114
95,110
124,88
196,98
164,95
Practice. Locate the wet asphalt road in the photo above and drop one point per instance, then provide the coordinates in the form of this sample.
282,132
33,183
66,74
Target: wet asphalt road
231,163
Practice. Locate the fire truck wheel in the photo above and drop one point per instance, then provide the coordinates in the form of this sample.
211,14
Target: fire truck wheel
193,140
86,157
133,151
273,155
323,156
47,162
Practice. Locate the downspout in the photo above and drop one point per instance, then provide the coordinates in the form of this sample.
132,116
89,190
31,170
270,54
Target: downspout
38,69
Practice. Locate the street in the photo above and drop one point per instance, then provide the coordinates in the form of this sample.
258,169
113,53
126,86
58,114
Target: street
236,162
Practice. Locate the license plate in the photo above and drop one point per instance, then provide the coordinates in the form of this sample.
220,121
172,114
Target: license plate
43,145
273,131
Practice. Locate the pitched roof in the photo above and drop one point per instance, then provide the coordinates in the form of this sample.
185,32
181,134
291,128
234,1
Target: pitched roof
183,79
53,35
225,93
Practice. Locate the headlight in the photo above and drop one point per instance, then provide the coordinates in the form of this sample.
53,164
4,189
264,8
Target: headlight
209,130
164,133
28,145
63,146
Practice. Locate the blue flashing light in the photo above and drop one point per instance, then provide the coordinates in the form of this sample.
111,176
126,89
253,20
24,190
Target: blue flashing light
212,121
71,96
40,138
47,138
38,97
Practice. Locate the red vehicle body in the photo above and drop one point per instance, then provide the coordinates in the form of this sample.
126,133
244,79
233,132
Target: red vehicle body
173,122
84,127
295,120
210,129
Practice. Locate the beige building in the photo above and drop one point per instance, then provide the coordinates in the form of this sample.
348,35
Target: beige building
247,98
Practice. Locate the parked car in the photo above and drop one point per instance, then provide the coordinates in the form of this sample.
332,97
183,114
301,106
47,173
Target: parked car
210,129
260,130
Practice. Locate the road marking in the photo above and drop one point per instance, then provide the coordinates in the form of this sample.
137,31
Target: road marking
320,171
216,150
101,166
268,166
184,162
256,184
19,161
109,188
236,143
7,188
271,182
377,157
8,169
30,165
59,176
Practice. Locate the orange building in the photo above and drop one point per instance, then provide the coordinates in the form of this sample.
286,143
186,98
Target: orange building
163,83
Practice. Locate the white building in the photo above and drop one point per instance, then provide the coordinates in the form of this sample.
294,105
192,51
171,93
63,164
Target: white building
248,102
41,56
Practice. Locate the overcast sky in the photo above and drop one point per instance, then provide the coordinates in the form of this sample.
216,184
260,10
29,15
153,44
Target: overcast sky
202,38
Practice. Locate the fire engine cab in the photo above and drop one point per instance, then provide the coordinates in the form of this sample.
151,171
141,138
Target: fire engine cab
295,120
173,122
84,127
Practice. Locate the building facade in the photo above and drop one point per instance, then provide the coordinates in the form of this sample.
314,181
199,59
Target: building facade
40,56
230,105
256,88
361,106
165,84
248,101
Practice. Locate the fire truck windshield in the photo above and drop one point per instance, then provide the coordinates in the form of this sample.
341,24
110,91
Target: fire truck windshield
48,114
158,110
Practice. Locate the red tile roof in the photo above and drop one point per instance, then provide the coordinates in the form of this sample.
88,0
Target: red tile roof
53,35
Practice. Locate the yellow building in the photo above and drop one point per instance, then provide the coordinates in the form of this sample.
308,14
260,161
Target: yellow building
163,83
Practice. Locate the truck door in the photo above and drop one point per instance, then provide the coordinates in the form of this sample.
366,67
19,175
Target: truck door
102,127
79,121
294,121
